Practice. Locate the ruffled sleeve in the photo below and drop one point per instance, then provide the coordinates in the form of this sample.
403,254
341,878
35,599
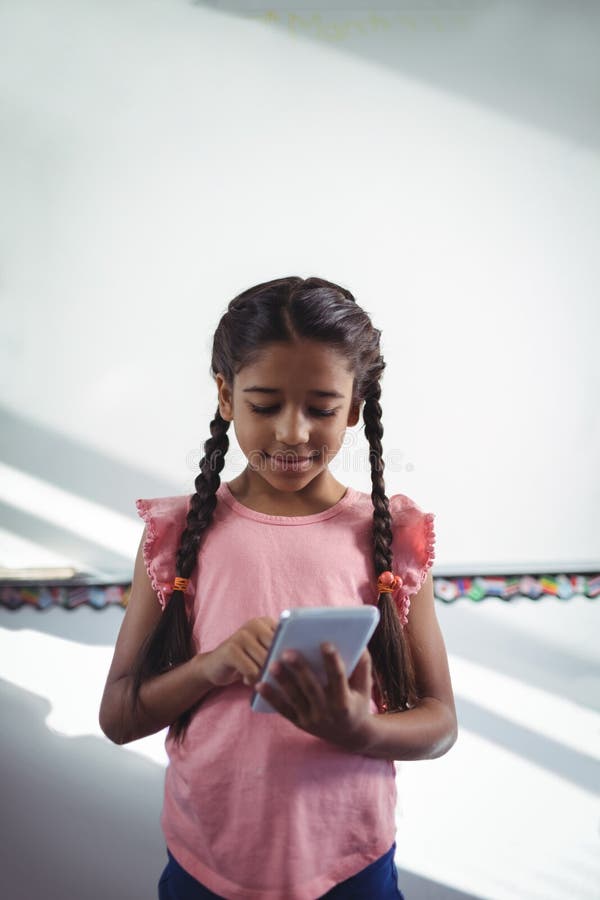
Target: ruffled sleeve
165,519
413,543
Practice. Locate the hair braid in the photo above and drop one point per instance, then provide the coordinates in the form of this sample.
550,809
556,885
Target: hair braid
394,675
171,644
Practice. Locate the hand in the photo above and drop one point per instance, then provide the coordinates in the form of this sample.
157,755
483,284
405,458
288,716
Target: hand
242,656
339,712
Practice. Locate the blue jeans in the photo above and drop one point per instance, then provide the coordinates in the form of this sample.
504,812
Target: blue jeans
379,881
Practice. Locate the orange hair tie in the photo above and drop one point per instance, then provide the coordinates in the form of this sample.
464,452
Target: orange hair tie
388,583
180,584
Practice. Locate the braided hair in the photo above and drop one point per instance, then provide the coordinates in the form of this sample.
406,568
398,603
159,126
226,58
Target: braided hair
285,310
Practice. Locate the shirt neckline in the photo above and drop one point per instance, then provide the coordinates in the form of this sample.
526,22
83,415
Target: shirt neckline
345,501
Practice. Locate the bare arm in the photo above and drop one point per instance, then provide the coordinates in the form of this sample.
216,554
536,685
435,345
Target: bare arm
163,698
430,728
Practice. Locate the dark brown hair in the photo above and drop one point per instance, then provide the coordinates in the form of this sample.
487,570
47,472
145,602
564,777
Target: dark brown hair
285,310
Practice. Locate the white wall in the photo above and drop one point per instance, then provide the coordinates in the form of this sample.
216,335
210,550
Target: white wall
441,162
81,815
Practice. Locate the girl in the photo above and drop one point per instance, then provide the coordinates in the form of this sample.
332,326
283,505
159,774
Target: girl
299,804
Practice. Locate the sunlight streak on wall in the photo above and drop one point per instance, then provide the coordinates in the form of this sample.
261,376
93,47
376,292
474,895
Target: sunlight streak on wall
71,677
90,520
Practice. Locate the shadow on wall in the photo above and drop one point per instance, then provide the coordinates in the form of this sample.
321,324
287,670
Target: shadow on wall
82,816
524,655
39,451
534,62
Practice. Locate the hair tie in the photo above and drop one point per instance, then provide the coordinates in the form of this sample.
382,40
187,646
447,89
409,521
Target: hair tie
180,584
388,583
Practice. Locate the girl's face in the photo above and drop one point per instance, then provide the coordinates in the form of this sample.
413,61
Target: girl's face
279,410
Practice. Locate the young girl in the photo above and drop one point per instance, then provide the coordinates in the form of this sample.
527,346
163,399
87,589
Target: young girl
298,804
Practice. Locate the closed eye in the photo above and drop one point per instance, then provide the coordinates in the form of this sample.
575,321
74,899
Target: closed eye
268,410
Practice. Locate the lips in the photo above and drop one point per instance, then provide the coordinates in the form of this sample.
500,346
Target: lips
289,458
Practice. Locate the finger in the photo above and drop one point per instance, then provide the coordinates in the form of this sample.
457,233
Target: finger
310,690
244,663
256,652
336,675
265,634
362,678
277,700
289,678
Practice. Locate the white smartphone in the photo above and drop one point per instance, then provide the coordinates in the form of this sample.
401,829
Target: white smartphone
305,628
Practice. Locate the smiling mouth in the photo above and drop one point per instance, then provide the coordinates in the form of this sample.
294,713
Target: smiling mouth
288,458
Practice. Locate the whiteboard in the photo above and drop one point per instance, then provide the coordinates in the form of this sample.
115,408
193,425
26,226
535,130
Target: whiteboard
440,163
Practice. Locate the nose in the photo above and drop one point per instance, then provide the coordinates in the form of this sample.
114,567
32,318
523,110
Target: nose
291,428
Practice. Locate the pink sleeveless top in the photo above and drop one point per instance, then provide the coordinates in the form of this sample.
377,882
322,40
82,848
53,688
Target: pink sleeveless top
254,807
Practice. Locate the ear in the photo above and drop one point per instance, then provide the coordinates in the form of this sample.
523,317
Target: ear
354,414
225,398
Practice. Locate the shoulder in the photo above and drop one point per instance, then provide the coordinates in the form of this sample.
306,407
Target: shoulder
413,541
403,504
165,519
407,514
404,511
163,507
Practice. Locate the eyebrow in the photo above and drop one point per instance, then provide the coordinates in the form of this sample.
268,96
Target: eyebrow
266,390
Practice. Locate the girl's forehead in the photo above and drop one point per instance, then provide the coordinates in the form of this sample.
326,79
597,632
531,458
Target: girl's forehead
302,357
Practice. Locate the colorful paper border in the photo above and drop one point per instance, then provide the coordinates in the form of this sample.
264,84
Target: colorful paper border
446,590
